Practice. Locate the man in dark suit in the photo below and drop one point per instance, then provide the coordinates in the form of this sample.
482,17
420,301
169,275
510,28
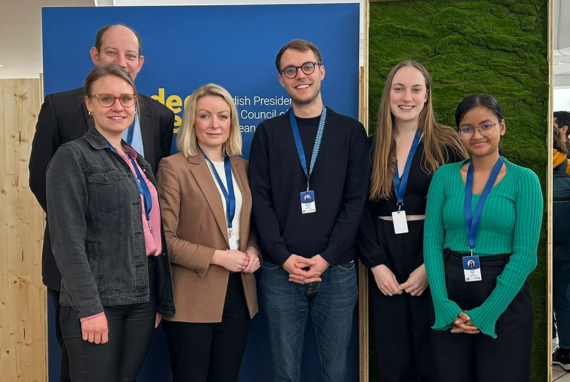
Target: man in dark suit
63,117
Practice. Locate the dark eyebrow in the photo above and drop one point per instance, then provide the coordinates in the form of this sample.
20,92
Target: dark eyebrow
404,85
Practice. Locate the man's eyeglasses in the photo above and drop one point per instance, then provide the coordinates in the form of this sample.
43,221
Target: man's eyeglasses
108,100
307,68
485,129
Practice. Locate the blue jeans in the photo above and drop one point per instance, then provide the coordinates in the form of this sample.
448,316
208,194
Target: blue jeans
561,291
331,304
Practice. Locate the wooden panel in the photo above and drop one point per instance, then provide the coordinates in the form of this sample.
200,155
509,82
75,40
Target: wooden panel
363,311
22,294
549,186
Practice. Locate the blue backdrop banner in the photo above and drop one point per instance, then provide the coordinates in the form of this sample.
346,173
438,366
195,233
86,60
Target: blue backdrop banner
235,47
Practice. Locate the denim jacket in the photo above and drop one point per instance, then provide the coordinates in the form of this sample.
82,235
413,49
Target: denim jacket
94,213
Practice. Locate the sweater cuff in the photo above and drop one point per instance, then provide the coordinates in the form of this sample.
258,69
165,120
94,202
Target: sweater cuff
445,314
483,322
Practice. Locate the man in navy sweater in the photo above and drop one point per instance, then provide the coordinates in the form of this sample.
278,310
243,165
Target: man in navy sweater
309,173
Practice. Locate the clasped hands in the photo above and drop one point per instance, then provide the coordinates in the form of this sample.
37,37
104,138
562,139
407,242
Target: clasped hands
463,324
386,281
303,270
237,261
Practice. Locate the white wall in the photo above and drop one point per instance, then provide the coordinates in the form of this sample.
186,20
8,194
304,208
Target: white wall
561,99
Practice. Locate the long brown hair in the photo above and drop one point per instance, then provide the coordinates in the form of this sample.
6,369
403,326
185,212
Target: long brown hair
438,139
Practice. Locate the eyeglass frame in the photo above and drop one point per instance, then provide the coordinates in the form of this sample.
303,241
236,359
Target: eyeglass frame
282,71
461,135
114,99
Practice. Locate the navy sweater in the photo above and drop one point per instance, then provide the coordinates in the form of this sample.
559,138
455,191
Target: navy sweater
340,181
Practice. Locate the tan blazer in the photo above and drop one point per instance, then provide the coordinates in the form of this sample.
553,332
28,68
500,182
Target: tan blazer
195,226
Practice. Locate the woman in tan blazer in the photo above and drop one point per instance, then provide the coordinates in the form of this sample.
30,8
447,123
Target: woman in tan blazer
206,210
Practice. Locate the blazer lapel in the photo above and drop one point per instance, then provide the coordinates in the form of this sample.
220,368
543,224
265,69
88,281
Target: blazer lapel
147,130
199,168
239,172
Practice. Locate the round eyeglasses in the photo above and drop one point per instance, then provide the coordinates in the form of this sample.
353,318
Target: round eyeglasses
307,68
485,129
108,100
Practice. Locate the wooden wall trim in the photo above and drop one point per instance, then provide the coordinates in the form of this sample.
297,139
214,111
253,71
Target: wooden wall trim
23,328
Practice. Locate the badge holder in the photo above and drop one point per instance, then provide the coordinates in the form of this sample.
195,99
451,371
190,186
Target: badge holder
308,205
472,268
232,239
399,220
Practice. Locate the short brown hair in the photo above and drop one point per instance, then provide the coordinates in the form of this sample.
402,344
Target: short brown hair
301,46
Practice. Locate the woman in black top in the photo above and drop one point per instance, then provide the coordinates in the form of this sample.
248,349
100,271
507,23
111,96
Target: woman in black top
410,141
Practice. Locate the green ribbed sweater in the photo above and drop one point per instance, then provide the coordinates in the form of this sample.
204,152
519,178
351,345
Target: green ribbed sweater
510,223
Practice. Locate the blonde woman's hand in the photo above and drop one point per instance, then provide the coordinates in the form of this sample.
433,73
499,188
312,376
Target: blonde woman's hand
253,260
231,259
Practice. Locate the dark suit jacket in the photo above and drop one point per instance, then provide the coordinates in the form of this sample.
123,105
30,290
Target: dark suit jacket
63,117
195,226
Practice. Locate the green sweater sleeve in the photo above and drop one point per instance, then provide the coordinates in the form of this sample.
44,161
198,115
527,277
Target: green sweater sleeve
528,206
434,237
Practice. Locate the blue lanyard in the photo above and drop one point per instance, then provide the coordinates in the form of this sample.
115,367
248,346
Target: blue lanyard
472,220
140,180
400,185
316,145
229,194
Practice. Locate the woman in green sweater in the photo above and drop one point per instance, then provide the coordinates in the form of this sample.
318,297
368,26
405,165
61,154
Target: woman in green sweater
482,227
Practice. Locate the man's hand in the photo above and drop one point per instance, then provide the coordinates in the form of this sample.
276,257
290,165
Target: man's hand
320,266
299,269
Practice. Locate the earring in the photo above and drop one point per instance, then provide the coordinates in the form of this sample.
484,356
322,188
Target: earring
90,113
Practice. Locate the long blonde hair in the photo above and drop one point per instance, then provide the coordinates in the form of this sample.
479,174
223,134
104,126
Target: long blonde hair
438,139
187,142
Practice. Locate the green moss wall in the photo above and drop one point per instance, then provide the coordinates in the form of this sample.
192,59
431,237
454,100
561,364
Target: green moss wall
496,46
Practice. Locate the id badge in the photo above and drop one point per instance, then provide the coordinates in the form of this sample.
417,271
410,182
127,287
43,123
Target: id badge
308,205
472,268
400,222
233,241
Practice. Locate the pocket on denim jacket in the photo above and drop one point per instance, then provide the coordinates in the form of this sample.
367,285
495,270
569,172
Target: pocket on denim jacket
107,188
347,267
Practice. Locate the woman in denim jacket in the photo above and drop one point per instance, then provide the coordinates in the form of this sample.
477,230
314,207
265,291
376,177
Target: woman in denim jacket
107,238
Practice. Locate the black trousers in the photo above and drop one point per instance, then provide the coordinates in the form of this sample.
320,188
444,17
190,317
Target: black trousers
64,367
478,357
211,352
130,332
402,326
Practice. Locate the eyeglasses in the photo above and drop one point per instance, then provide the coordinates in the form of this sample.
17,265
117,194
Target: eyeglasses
485,129
108,100
307,68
